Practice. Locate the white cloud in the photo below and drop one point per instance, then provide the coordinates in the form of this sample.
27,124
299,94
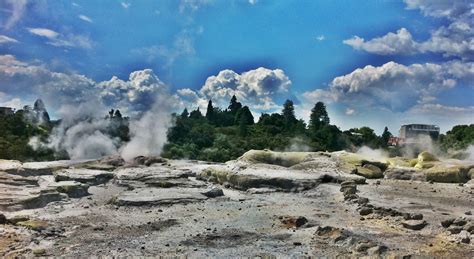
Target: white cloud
183,45
43,32
392,43
350,111
125,5
439,109
397,86
256,88
58,40
456,39
399,94
5,39
21,79
135,95
253,2
17,9
320,38
85,18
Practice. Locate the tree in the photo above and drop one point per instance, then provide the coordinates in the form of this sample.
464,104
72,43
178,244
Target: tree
244,115
196,114
385,136
234,106
118,114
319,117
288,113
185,114
210,111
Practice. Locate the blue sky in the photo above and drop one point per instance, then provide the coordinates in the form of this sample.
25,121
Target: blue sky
310,43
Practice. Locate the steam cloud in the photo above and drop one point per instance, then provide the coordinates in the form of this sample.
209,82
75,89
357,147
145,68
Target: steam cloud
81,132
149,132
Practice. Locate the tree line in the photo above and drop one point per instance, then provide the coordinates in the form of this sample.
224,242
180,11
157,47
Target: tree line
220,134
224,134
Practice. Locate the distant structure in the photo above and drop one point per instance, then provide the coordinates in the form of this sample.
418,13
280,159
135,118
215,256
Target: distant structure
414,133
4,111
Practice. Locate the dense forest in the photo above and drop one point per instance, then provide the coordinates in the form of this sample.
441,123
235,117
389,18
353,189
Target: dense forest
217,134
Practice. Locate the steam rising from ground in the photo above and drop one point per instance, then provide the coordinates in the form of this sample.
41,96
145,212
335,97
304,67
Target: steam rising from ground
148,134
80,133
369,153
297,145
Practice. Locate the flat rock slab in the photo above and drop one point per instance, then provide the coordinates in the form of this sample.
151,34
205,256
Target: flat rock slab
72,188
158,196
9,165
82,175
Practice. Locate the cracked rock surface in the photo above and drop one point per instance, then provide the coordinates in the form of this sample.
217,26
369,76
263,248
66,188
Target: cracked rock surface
262,204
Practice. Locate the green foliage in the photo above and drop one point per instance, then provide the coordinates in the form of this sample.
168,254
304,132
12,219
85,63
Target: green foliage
15,134
459,137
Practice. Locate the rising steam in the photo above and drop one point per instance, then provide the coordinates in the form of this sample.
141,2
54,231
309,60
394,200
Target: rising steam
148,134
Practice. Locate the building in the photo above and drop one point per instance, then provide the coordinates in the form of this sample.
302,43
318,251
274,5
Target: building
414,133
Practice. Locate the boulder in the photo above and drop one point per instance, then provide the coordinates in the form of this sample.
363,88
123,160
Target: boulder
470,174
426,156
365,211
33,224
401,162
355,164
447,174
148,160
286,159
3,219
213,193
414,224
369,171
426,160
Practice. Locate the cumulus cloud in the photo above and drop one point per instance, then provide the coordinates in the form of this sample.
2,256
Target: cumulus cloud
396,86
256,88
24,79
392,43
85,18
58,40
5,39
17,9
135,95
398,93
455,39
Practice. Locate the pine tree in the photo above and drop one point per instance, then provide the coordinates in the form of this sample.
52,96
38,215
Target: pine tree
234,106
185,113
385,136
210,111
244,115
288,113
196,114
319,117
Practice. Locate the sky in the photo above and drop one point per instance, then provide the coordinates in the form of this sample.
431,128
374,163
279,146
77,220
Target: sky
373,63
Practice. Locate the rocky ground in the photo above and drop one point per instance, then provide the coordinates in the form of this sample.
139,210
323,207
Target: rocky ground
263,204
